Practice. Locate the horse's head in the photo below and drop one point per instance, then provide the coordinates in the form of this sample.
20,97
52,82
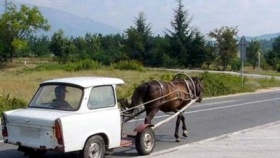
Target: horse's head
198,88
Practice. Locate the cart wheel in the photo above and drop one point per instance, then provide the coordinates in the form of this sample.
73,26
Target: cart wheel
145,141
94,148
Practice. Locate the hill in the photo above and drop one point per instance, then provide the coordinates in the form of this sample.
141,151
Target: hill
75,26
263,37
72,25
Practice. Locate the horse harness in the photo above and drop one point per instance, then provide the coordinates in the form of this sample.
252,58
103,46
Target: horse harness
178,92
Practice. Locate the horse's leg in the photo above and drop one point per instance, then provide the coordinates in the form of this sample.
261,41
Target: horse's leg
184,127
177,127
150,114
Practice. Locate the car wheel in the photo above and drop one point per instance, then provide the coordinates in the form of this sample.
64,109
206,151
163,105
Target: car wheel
94,148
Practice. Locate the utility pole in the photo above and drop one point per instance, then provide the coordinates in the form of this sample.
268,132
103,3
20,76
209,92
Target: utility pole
242,47
259,60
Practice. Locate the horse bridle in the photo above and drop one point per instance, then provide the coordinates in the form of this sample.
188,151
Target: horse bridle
193,96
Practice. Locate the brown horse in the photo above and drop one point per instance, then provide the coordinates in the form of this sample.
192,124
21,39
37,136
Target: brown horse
167,97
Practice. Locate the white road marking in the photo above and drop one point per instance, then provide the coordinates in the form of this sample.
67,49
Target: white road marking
220,102
230,106
216,108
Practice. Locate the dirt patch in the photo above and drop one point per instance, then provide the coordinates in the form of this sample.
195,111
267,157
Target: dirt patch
268,89
257,91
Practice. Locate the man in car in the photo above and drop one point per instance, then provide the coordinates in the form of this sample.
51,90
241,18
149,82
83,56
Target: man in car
59,101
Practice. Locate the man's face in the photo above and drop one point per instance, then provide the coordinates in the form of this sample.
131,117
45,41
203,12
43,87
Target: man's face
60,95
60,92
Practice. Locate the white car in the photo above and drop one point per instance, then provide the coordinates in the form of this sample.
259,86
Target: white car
67,114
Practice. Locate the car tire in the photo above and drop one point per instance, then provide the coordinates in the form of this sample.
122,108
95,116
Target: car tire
94,148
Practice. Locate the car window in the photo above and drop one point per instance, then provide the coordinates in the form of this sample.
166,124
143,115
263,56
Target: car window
57,97
101,97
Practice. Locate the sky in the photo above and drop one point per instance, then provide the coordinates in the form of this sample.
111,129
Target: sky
251,17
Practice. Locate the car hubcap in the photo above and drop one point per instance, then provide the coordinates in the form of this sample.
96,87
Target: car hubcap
148,141
94,150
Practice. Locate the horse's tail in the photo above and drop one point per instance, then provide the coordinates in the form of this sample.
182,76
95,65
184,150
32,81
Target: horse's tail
124,104
139,94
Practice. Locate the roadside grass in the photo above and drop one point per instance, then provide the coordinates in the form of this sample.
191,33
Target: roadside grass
250,70
23,84
18,84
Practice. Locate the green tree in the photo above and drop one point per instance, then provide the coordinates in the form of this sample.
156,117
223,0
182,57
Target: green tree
226,44
114,49
266,45
17,25
79,51
273,56
60,46
93,46
139,39
276,46
252,52
159,54
181,36
271,59
39,46
186,45
211,54
197,51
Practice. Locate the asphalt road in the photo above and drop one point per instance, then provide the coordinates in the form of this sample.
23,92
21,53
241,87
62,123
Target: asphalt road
213,117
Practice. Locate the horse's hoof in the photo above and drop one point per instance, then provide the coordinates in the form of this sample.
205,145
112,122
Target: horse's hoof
177,140
185,133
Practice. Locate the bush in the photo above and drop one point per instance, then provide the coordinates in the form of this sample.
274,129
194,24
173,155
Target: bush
221,84
7,103
268,82
236,64
128,65
82,65
47,67
278,67
167,77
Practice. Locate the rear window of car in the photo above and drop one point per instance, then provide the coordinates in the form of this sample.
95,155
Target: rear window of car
59,97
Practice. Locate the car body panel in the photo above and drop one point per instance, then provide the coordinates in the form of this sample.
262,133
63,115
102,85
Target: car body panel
34,127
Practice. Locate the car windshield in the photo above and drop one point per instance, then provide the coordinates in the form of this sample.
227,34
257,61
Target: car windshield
58,97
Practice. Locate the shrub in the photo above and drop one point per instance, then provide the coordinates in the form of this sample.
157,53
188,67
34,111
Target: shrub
235,64
82,65
48,67
7,103
87,64
220,84
167,77
128,65
278,67
268,82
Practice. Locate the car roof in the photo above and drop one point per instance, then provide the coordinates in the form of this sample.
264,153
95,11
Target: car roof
89,81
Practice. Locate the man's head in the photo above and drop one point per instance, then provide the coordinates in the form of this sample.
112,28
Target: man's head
60,92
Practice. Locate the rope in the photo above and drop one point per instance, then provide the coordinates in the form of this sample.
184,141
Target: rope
174,115
175,91
143,104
